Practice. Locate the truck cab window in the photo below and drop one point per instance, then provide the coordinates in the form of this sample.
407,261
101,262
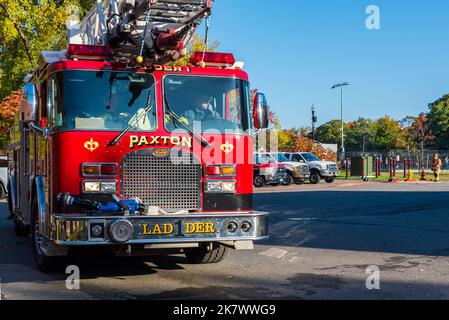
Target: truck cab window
101,100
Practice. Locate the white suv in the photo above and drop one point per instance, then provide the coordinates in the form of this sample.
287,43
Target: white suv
318,169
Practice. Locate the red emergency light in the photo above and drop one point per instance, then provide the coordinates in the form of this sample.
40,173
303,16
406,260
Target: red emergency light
215,59
89,51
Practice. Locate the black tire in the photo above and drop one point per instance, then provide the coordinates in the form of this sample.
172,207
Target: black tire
315,178
258,181
330,180
202,256
20,230
288,180
44,263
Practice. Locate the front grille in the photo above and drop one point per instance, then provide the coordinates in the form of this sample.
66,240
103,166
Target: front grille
170,183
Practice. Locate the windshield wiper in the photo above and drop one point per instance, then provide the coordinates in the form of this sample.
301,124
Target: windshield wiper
178,120
147,109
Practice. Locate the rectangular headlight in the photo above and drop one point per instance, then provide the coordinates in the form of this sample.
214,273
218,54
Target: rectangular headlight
213,186
91,186
228,186
99,186
220,187
108,187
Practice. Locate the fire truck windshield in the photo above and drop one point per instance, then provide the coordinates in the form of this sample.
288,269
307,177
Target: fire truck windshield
100,100
207,103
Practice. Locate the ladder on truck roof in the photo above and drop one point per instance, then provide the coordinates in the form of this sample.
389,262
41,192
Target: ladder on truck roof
156,31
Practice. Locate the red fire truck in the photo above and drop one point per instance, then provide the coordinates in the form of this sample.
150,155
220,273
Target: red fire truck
116,146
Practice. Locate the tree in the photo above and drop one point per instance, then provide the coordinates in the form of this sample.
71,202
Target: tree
28,27
196,45
438,118
8,108
418,135
329,132
358,135
387,134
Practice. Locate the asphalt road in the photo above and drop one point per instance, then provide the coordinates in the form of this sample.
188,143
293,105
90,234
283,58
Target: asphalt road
323,238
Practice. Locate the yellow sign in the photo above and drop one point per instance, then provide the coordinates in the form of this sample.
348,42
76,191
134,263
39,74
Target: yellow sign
168,228
227,147
91,145
200,227
157,229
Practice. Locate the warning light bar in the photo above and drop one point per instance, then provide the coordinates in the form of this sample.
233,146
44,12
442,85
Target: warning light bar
213,59
88,52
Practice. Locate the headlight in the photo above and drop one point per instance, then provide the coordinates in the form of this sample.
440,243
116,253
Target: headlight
323,166
220,187
296,169
99,187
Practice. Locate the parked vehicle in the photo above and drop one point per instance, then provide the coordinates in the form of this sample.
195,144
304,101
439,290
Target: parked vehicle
106,153
268,171
319,169
3,176
297,172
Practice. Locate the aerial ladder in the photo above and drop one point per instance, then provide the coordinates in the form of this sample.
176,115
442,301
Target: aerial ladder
141,31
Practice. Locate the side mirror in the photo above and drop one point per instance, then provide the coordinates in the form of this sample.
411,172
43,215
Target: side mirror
260,112
28,103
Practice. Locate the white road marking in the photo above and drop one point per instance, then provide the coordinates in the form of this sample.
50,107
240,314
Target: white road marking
274,253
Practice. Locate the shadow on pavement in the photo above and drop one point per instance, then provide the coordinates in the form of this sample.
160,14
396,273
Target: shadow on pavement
393,222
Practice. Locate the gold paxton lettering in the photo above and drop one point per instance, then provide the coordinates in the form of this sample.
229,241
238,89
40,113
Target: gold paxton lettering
159,140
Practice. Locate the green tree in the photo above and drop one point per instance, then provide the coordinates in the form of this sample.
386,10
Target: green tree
28,27
438,118
388,134
329,132
358,135
196,44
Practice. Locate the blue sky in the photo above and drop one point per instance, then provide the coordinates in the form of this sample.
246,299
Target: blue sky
295,50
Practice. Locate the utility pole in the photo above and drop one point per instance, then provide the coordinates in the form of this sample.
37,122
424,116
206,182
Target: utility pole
314,121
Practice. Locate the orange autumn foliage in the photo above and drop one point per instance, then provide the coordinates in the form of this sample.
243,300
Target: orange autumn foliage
304,144
8,108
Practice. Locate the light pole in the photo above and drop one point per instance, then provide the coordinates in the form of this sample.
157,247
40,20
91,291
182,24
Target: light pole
341,85
314,121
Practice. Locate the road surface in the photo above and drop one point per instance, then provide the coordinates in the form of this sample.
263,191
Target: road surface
323,238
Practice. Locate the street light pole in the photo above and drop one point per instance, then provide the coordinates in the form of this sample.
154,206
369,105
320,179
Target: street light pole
341,85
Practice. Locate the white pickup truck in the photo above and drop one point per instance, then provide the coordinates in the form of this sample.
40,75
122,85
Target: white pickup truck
318,169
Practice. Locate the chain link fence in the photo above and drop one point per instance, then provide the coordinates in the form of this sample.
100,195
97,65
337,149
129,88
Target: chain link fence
419,159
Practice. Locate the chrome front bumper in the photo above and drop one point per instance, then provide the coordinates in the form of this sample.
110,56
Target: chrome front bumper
75,230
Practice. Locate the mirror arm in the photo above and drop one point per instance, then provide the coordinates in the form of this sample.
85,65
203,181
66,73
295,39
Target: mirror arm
40,131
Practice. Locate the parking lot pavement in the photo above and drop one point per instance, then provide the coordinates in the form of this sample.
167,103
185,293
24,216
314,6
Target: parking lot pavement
322,239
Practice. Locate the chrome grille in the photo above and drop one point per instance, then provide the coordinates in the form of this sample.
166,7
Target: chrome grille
170,183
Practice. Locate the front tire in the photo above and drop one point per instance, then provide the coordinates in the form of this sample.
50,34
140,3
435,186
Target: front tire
330,180
259,181
44,263
203,255
288,180
315,178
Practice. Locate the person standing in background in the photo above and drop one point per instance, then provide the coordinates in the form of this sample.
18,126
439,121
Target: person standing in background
436,167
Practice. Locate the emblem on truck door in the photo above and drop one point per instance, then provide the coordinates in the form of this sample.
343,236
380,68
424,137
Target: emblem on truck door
227,147
91,145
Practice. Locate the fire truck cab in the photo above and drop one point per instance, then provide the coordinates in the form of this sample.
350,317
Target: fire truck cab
148,158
